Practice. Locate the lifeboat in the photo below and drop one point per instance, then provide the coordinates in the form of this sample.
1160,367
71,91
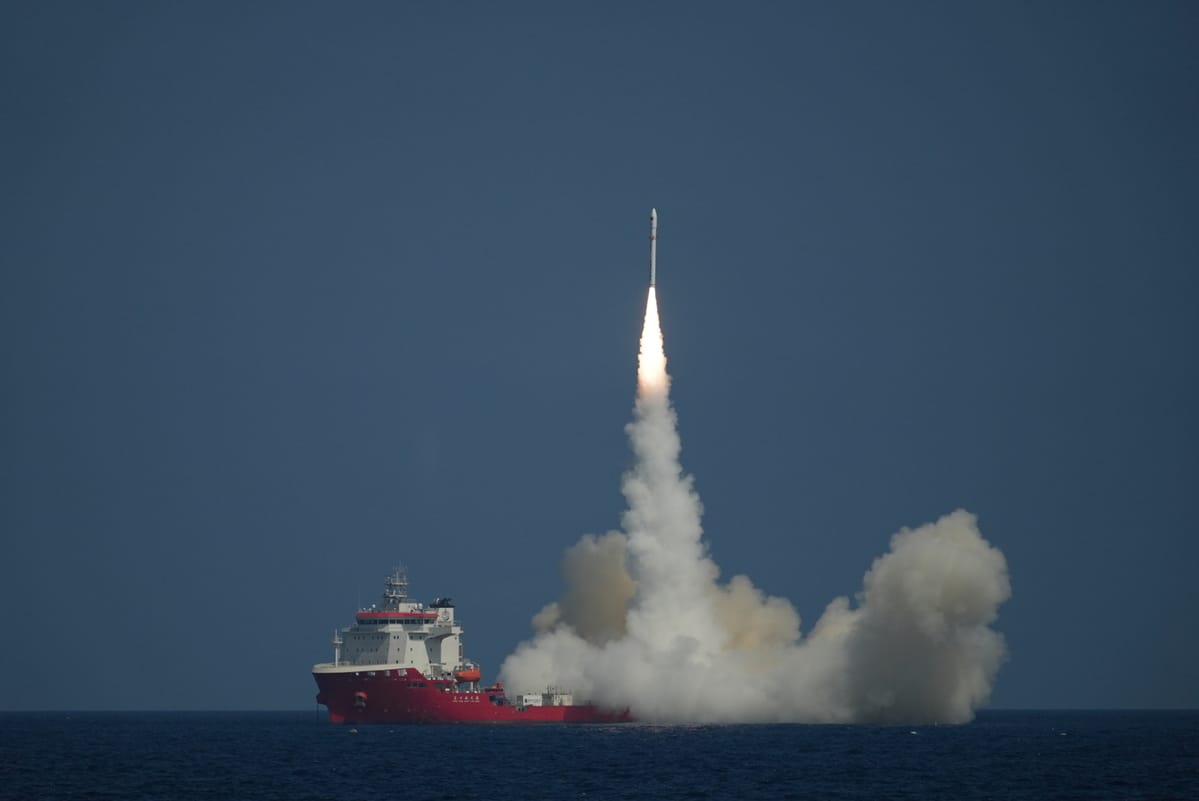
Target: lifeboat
468,674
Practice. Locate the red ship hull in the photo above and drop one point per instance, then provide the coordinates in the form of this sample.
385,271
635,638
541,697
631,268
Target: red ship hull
405,696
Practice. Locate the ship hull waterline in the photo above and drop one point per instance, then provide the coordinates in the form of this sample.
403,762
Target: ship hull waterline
405,696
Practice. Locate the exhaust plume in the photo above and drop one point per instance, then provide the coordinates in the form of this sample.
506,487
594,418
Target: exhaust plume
646,624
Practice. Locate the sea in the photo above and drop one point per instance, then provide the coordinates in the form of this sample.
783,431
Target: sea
300,755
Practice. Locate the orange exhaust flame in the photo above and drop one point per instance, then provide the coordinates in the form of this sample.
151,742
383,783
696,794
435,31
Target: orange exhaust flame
651,362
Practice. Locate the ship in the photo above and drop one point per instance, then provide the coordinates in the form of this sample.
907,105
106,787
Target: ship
402,662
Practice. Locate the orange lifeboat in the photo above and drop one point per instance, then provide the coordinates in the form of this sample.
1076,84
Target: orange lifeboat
468,674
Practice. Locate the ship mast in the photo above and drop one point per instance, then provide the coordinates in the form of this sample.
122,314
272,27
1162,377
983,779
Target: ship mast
396,591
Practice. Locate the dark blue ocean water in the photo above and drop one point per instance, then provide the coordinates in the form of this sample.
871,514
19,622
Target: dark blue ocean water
1002,755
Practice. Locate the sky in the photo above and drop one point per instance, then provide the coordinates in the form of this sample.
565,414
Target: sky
293,292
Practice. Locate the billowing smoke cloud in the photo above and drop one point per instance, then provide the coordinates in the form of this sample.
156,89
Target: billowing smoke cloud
598,590
646,624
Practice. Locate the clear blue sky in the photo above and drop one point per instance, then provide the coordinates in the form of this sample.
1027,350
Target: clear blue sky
292,292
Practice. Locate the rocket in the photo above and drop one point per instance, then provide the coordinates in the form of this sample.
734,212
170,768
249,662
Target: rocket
653,246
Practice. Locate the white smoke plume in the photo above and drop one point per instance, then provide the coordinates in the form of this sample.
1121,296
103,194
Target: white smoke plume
645,623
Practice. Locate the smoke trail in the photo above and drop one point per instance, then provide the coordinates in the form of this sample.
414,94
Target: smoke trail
672,608
645,623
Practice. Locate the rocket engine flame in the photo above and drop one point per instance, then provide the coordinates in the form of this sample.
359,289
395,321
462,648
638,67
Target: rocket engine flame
651,362
645,623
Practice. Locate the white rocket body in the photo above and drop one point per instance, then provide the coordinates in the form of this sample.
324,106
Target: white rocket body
653,246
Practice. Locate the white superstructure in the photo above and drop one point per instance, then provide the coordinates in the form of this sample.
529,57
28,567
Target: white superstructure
400,633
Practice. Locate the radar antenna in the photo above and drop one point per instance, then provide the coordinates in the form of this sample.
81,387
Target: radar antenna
396,591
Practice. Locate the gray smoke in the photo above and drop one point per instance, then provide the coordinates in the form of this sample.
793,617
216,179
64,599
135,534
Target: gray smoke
646,624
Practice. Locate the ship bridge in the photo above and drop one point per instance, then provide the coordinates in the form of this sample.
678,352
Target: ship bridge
399,632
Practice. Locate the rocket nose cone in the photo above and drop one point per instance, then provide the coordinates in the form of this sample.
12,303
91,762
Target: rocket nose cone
653,214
